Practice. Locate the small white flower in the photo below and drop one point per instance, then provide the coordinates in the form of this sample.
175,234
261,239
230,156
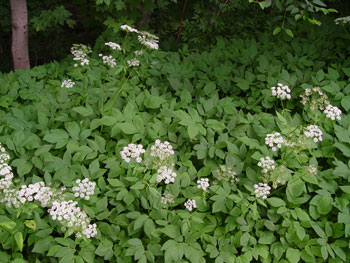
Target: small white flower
129,29
281,91
203,183
113,45
149,40
132,151
67,84
109,60
267,164
275,141
84,189
332,112
190,204
167,198
166,174
314,132
138,53
262,190
161,150
133,62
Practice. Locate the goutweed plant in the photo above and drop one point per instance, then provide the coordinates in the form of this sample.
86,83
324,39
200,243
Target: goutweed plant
133,154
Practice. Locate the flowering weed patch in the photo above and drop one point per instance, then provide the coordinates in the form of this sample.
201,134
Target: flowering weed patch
178,157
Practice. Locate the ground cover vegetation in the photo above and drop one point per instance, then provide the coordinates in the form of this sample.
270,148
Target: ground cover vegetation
124,152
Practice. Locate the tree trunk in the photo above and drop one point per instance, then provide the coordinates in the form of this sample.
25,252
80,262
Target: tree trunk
20,56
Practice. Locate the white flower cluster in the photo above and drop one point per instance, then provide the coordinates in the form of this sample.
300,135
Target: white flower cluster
166,174
10,197
190,204
161,150
80,53
6,171
84,189
281,91
129,29
64,211
312,170
344,20
67,84
133,62
314,132
132,151
138,53
109,60
68,214
203,183
149,40
332,112
316,98
274,140
267,164
113,45
262,190
226,174
38,191
167,199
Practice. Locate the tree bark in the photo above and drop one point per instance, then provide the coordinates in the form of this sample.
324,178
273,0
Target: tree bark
20,55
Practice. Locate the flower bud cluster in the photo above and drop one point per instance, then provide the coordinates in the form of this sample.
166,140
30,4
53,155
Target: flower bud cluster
312,170
166,174
315,97
275,141
71,216
129,29
138,53
147,39
133,62
190,204
132,151
84,189
80,53
113,45
344,20
281,91
167,199
262,190
109,60
226,174
267,164
67,84
332,112
162,150
203,183
314,132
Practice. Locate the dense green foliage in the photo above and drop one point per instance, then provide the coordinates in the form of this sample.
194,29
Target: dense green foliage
215,108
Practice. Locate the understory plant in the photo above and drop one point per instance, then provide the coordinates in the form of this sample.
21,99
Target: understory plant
186,157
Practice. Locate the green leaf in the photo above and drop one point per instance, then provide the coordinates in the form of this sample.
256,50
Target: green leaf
84,111
30,224
73,129
42,245
128,128
293,255
276,202
154,102
345,102
192,131
140,221
289,32
276,31
267,238
215,125
19,240
7,223
324,205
